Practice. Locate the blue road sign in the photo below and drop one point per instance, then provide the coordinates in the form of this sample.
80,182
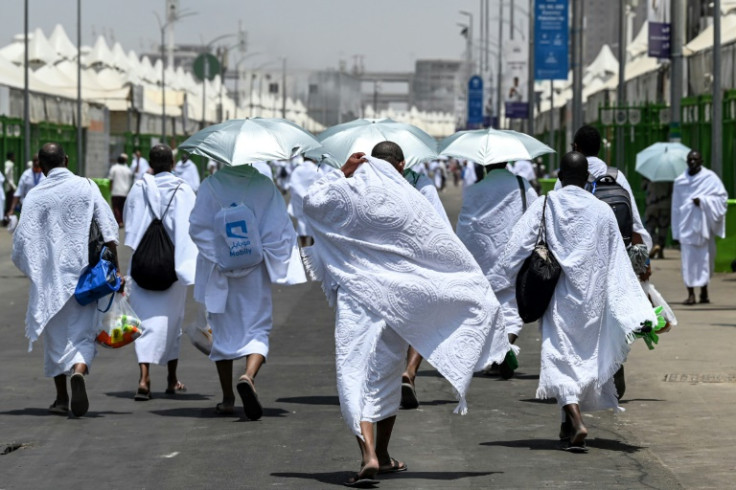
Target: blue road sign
551,33
475,101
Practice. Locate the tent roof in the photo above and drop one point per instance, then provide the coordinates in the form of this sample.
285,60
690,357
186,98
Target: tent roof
61,43
704,40
100,53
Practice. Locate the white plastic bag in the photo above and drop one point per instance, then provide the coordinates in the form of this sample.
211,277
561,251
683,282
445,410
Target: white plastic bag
658,300
199,331
120,325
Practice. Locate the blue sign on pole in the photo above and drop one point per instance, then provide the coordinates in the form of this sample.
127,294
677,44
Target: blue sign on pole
551,33
475,101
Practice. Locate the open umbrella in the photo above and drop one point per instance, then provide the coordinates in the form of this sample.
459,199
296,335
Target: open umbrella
341,141
662,162
488,146
243,141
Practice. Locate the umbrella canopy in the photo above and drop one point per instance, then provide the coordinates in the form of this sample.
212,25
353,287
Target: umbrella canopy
662,162
488,146
243,141
341,141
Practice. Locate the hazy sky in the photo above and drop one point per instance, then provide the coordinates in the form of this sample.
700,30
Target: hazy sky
390,34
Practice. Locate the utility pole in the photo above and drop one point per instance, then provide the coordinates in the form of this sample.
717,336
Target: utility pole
577,65
26,95
621,91
716,158
531,96
283,88
678,38
80,158
498,65
483,44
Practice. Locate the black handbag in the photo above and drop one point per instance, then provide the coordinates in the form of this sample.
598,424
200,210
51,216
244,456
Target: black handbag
537,278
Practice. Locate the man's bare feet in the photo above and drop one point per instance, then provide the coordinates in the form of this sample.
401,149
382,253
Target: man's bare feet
226,407
578,435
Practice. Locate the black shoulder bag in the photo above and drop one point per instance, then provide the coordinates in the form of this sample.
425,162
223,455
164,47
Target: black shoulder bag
537,278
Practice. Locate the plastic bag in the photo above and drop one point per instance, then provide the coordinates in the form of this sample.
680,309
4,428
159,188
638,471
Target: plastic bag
120,325
657,300
199,332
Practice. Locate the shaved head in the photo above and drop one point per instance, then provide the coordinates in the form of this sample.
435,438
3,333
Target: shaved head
574,169
390,152
161,158
51,155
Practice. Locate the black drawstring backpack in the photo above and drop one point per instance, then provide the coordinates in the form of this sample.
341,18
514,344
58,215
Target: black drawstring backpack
153,266
537,278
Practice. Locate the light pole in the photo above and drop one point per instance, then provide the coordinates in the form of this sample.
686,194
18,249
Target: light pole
162,27
470,37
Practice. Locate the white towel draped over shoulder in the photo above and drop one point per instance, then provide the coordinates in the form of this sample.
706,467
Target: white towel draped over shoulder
490,210
380,241
148,199
281,254
50,244
597,303
695,225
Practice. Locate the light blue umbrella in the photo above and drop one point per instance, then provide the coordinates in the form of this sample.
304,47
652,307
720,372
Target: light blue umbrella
361,135
662,162
488,146
243,141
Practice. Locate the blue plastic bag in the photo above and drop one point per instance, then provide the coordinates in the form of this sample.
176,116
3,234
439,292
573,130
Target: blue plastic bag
98,281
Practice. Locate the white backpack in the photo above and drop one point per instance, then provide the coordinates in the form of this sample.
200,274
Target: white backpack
240,241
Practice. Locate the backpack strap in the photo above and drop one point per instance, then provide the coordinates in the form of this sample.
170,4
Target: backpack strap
522,191
168,205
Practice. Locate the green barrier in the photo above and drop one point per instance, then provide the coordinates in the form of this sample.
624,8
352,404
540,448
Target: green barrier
546,185
726,247
104,185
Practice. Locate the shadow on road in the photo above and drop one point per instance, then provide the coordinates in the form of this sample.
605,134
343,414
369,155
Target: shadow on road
338,477
556,445
625,401
179,396
44,412
548,401
311,400
209,412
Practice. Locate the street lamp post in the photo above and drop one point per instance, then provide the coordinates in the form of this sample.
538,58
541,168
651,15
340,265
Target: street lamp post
162,27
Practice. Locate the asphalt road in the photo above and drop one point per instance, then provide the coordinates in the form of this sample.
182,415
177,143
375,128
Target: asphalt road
677,432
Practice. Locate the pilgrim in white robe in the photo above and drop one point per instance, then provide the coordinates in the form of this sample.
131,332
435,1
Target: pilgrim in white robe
399,276
50,246
524,168
188,172
304,175
490,210
696,227
425,187
598,167
239,302
161,312
597,304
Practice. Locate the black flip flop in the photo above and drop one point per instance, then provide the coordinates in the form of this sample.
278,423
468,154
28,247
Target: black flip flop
409,399
251,405
361,483
396,467
576,448
142,395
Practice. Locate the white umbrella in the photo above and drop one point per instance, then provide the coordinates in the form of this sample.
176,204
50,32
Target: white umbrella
488,146
662,162
243,141
361,135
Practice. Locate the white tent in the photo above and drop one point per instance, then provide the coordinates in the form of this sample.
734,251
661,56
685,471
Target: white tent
100,54
61,43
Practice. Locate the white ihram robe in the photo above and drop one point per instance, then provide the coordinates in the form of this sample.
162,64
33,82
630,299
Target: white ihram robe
161,312
304,175
426,188
50,246
189,173
696,227
490,210
239,302
598,167
597,304
398,276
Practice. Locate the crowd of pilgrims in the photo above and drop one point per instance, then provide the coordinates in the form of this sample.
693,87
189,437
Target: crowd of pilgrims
405,286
